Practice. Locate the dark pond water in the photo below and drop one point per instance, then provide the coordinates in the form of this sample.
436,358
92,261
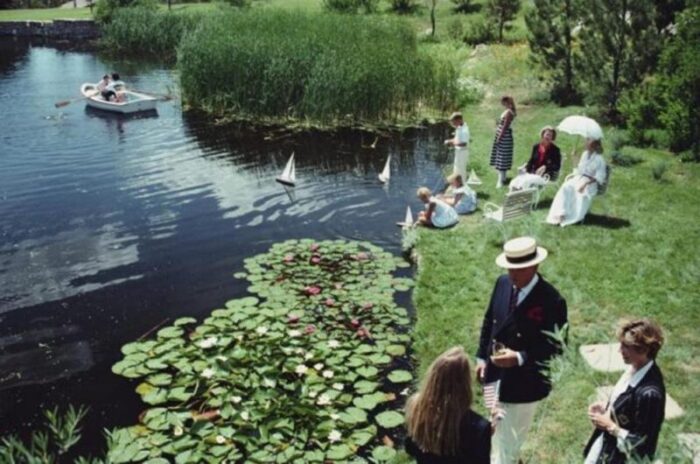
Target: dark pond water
110,226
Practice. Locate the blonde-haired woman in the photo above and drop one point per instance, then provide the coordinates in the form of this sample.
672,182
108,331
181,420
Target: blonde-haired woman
502,150
627,427
437,213
573,200
442,428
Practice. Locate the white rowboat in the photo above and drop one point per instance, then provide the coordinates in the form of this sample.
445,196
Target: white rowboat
134,101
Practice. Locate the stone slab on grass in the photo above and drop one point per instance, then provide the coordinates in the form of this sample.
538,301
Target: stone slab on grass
673,409
604,357
691,445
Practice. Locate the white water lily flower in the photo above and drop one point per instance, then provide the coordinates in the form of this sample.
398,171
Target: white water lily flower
318,366
294,333
313,394
220,439
308,356
405,391
335,416
333,343
261,330
299,351
245,416
177,431
338,386
328,374
207,342
301,369
208,373
269,383
323,400
239,337
236,399
222,358
334,436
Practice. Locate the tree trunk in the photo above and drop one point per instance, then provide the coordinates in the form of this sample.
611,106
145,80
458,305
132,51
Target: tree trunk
432,17
501,24
169,5
617,63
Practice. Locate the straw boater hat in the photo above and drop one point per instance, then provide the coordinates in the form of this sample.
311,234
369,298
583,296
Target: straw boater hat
455,115
520,253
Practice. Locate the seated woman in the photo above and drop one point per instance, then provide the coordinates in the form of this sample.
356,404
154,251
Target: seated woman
437,213
627,427
574,197
114,90
441,426
102,85
544,160
462,199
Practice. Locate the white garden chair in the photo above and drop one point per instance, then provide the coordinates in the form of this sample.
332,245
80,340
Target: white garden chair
516,205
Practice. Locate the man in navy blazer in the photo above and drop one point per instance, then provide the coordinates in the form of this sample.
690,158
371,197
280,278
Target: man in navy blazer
514,347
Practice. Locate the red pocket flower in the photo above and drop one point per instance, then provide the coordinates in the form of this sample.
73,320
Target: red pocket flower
535,314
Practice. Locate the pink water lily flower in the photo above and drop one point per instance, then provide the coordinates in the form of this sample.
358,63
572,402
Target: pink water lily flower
330,302
367,306
363,332
288,258
315,259
292,318
362,256
309,329
312,290
314,247
355,323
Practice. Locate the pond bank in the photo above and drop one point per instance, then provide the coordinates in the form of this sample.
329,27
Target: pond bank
76,29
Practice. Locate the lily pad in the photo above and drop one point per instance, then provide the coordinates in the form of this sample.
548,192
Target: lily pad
400,376
389,419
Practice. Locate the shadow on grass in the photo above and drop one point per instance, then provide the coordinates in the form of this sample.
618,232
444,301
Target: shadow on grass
606,222
483,195
544,204
468,9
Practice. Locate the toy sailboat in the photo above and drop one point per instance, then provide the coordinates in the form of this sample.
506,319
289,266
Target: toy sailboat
288,176
386,173
408,221
473,179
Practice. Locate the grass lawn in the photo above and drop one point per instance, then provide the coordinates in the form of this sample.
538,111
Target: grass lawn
48,14
633,256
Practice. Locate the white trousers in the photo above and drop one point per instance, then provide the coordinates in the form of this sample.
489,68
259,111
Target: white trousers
461,161
511,432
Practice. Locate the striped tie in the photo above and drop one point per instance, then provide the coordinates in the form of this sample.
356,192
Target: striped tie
513,299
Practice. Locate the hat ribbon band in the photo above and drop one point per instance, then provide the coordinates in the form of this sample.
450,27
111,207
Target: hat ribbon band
522,259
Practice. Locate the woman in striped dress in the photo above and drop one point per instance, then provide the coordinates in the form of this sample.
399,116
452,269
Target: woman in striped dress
502,151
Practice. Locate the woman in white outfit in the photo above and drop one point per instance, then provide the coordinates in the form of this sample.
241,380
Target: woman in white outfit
437,213
460,142
574,197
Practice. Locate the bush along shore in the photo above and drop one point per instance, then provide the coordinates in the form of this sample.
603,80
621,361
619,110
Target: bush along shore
307,370
293,67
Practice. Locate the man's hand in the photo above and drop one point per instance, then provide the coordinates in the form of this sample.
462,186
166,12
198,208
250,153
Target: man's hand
480,371
596,408
506,359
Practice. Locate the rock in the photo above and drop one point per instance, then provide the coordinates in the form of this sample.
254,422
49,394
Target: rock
673,409
604,357
690,442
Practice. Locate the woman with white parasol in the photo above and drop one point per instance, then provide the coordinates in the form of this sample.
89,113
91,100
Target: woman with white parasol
574,197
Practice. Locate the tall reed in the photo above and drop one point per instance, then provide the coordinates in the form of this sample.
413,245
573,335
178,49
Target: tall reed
322,67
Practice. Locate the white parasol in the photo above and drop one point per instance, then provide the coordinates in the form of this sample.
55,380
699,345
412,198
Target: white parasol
581,125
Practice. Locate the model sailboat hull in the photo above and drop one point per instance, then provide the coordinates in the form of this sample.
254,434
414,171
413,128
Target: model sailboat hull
288,176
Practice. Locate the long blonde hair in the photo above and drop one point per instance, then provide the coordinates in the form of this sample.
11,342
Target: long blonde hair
434,414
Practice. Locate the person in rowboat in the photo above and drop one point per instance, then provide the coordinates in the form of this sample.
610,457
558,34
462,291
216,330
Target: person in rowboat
114,90
102,85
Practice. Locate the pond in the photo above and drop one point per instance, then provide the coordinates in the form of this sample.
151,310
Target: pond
111,226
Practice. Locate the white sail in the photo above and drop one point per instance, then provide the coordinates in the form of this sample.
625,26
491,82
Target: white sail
408,220
386,173
288,176
473,179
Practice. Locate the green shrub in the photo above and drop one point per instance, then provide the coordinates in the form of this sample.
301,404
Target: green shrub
471,91
658,170
341,6
479,30
321,67
144,30
464,6
403,6
455,29
640,108
624,160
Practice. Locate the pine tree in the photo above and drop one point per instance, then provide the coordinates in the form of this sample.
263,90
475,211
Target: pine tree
502,12
550,24
619,46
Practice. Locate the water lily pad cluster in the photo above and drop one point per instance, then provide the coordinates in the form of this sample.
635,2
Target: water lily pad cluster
307,370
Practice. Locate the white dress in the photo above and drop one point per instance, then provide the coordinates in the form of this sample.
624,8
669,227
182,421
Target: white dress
571,204
444,215
461,153
467,202
526,180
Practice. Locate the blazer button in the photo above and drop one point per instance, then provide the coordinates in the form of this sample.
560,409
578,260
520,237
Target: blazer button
494,321
519,334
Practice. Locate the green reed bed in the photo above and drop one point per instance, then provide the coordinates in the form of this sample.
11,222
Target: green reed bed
311,66
139,30
307,370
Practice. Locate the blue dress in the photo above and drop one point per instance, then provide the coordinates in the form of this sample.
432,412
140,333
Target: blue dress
467,203
444,215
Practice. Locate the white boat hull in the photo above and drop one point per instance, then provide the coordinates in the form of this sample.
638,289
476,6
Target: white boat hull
134,103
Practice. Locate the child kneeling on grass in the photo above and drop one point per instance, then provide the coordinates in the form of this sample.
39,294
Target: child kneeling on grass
462,199
437,213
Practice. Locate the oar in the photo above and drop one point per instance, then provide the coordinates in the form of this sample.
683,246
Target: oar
156,95
68,102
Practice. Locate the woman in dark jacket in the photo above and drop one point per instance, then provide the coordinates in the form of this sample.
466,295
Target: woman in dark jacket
442,428
628,427
544,160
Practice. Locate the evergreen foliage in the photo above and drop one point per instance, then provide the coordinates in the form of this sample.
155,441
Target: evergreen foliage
502,12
